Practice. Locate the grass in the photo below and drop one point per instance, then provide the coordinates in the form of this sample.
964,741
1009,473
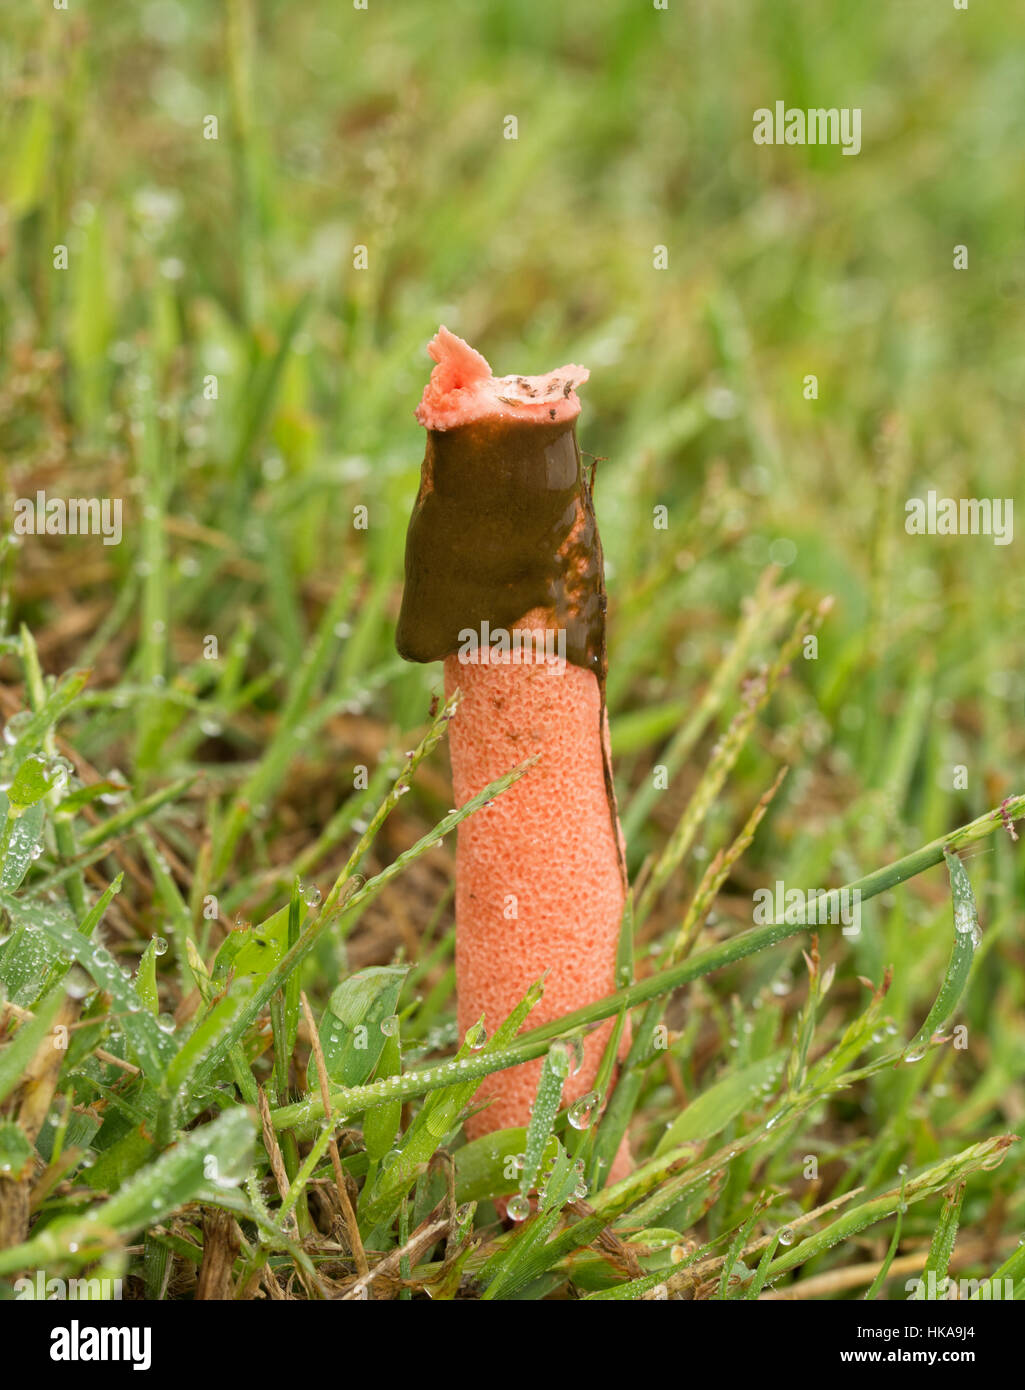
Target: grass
208,729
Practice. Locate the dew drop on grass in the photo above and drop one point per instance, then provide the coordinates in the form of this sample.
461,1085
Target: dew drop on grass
310,894
520,1161
518,1208
165,1022
390,1025
915,1054
77,983
902,1169
786,1235
476,1036
159,946
581,1111
559,1059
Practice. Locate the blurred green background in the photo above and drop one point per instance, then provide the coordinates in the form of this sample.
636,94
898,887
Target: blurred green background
234,258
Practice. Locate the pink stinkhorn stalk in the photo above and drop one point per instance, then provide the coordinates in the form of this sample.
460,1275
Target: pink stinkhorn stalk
504,581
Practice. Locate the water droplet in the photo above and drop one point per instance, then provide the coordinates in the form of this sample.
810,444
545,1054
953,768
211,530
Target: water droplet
520,1161
310,894
916,1053
580,1112
159,946
559,1058
518,1208
390,1025
15,726
77,983
902,1169
963,918
786,1235
476,1035
165,1022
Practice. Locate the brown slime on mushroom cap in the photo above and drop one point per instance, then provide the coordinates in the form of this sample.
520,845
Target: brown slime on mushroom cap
504,523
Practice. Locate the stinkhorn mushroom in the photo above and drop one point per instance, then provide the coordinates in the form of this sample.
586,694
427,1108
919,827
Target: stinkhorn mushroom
504,582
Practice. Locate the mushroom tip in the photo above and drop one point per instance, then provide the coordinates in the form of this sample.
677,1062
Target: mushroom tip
458,363
462,389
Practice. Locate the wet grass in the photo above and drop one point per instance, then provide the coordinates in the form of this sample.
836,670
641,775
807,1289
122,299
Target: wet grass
239,751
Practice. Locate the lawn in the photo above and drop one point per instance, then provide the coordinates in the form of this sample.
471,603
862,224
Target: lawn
228,232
